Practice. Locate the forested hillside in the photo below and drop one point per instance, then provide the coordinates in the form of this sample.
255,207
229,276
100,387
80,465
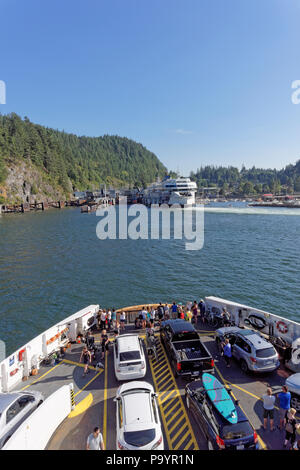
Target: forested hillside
67,162
249,181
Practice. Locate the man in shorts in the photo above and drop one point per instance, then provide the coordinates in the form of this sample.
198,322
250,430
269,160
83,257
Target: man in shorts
284,405
122,320
269,402
160,311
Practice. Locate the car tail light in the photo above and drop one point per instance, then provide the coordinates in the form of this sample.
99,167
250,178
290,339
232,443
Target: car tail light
120,446
118,370
212,363
143,365
255,437
252,359
179,366
220,442
157,443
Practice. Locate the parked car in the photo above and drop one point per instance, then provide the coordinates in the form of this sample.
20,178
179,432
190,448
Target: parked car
138,422
188,356
15,407
252,351
293,384
129,357
219,433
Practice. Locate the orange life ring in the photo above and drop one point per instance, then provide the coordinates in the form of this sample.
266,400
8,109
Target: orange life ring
282,327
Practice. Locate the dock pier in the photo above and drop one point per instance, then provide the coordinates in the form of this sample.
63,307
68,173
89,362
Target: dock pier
36,206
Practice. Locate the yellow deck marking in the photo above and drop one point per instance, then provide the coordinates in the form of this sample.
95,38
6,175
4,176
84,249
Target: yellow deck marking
42,376
182,440
105,404
226,382
180,421
82,406
160,386
171,409
87,384
165,397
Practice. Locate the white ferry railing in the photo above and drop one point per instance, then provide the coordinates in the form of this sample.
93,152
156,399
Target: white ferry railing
19,365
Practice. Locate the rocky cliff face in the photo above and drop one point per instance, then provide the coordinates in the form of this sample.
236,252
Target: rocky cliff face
24,183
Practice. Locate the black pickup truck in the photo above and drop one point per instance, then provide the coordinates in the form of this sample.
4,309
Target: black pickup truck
187,354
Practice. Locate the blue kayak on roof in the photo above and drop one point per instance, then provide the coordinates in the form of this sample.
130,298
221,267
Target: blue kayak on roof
219,397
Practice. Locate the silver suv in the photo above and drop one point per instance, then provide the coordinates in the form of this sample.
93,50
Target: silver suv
252,351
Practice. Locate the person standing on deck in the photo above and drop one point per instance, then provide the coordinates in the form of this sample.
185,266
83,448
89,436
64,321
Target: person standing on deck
114,318
201,306
102,319
290,428
284,405
226,316
152,314
160,311
108,318
144,317
104,343
95,440
122,321
227,352
195,312
268,403
166,312
86,356
180,312
148,315
174,310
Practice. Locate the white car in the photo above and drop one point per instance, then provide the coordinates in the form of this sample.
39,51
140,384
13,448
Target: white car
15,407
138,423
129,357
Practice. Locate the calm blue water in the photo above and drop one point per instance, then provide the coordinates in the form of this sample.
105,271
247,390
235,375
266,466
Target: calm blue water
52,265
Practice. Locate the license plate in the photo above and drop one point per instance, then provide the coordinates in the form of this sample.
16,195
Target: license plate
131,368
241,447
196,372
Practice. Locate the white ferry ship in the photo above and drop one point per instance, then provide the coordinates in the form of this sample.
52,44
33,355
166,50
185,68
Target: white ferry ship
179,191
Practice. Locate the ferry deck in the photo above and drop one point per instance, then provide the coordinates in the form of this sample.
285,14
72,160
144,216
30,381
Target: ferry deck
95,392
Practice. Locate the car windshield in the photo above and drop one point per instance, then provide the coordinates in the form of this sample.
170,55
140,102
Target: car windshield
129,355
268,352
139,438
237,431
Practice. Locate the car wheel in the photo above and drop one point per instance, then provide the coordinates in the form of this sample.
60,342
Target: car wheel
244,366
295,402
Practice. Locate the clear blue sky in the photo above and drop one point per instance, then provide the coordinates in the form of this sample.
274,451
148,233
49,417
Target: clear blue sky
195,81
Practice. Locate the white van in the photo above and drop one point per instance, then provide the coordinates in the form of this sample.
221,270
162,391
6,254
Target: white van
129,357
